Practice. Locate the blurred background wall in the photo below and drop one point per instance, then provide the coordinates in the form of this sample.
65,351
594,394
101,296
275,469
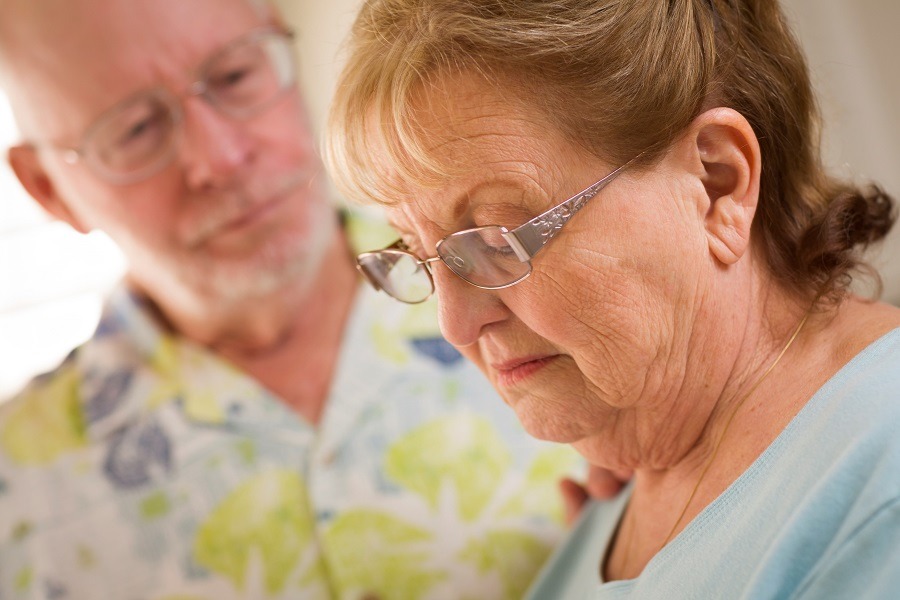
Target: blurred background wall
52,280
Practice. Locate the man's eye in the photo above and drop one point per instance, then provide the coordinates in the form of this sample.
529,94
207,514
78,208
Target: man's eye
140,130
230,78
242,72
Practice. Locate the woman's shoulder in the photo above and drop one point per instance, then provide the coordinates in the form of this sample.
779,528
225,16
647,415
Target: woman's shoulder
868,380
853,419
866,339
867,320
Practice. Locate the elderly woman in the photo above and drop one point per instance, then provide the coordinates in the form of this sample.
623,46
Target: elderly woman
621,208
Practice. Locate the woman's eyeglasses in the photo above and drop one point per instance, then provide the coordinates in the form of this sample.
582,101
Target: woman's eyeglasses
490,257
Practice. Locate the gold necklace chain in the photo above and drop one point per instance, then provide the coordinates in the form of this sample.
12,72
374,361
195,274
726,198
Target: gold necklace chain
719,442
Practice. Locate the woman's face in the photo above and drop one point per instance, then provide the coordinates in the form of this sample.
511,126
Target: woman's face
591,347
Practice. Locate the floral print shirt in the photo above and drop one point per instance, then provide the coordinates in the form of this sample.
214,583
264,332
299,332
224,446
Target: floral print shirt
145,468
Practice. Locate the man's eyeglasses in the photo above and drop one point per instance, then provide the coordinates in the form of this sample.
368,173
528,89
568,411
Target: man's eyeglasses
137,138
490,257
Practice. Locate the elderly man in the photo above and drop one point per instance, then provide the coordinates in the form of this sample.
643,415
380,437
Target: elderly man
245,422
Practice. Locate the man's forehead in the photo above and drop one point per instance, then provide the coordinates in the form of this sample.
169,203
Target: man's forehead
104,32
98,51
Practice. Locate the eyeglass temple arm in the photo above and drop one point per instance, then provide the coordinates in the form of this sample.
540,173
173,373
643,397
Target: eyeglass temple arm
367,276
527,239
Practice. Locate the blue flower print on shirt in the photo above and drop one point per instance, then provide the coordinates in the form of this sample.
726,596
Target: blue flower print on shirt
438,349
107,326
110,394
54,590
135,453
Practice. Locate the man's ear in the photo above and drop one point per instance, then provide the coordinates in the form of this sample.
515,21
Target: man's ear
729,157
31,174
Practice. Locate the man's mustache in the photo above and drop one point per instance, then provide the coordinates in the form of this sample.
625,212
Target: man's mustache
217,210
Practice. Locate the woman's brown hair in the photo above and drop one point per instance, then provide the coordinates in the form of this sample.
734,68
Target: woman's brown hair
617,77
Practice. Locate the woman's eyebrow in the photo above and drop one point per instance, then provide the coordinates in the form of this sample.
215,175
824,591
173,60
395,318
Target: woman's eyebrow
502,201
503,205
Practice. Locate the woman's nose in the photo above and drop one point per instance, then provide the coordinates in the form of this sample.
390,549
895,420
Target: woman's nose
463,309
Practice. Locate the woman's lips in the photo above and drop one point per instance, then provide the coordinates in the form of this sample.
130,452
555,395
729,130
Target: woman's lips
512,372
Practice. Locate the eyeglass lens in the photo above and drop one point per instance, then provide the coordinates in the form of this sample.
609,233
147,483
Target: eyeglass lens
483,257
136,134
139,135
398,273
247,77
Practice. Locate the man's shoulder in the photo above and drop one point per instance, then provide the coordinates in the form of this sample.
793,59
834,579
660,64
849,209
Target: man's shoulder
52,406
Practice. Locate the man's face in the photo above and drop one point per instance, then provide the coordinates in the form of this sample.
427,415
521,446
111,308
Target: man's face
240,210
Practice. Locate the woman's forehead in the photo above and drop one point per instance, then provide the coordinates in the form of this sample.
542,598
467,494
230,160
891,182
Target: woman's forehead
497,190
466,108
501,156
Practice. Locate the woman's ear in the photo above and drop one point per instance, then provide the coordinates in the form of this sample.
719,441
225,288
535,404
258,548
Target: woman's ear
729,157
24,161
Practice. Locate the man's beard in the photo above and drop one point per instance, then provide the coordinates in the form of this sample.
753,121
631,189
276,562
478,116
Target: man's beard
274,267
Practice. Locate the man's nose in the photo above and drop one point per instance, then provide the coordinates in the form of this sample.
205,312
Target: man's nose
463,309
214,145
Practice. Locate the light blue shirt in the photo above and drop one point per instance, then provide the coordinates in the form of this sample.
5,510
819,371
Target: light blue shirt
816,516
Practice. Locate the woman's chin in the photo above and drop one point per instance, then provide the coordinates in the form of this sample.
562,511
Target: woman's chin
546,425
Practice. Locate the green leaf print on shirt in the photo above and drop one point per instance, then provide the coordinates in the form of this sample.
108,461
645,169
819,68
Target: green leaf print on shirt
459,470
46,423
463,505
267,516
540,493
155,505
375,553
392,338
462,450
516,556
181,368
388,345
21,530
23,579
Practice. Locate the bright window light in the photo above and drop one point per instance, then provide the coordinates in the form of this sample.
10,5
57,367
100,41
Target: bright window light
52,279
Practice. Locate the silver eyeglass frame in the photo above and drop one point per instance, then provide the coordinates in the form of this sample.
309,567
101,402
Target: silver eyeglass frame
526,240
